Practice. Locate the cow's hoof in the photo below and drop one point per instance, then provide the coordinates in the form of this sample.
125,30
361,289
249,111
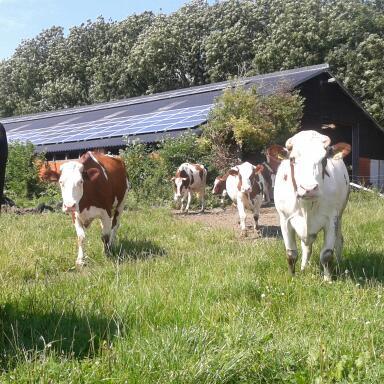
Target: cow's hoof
80,264
327,279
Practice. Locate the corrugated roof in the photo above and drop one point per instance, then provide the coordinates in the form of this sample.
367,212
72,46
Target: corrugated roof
146,117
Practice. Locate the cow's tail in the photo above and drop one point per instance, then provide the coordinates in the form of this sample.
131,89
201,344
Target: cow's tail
3,160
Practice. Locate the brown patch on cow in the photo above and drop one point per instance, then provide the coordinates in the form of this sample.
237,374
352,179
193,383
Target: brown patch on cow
240,182
200,169
256,186
285,177
183,174
220,185
101,192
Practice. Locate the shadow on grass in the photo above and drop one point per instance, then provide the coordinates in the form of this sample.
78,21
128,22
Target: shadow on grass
273,231
128,249
26,334
363,266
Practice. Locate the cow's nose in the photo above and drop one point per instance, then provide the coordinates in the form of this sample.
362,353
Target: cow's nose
69,208
308,190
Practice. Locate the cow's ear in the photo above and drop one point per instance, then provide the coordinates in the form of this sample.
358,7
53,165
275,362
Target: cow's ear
173,178
50,175
277,152
91,174
259,168
233,172
339,150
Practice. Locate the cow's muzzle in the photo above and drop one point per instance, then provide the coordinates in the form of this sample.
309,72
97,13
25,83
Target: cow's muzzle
69,208
308,191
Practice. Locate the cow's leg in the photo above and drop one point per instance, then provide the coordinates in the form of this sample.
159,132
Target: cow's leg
182,204
202,200
223,195
290,243
256,212
306,246
106,226
326,253
242,214
116,222
188,201
80,239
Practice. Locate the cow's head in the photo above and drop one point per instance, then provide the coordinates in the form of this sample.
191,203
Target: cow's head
71,178
308,153
181,184
246,173
219,185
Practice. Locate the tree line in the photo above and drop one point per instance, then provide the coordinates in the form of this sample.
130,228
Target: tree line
106,60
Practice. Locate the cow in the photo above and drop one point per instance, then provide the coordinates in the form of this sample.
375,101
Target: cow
244,186
189,178
269,171
95,186
311,192
3,160
219,187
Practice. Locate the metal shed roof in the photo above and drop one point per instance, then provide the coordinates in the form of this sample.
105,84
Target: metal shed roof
147,118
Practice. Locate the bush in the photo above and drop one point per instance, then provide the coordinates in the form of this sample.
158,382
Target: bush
244,122
22,182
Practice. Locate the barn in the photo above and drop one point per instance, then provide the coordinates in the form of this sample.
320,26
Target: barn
329,108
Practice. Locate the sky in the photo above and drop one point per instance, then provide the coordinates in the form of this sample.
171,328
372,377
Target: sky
24,19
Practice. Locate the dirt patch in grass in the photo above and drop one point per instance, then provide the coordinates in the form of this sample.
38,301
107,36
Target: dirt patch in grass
228,218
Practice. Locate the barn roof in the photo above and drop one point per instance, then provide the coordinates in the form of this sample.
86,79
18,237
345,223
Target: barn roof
148,118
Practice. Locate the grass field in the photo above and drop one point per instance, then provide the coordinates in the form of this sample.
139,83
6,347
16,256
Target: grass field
180,303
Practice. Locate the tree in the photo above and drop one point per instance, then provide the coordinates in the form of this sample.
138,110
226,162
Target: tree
242,122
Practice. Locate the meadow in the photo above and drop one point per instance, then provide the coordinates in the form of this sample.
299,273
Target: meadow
178,302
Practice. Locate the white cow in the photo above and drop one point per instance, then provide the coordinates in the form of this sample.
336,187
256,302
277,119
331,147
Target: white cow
244,185
189,178
311,192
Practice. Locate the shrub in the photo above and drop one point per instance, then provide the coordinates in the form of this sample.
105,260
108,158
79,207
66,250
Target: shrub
243,122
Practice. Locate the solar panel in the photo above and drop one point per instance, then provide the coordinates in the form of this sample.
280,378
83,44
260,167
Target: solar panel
115,126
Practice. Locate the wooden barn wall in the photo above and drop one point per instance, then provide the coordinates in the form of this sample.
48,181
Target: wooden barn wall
327,103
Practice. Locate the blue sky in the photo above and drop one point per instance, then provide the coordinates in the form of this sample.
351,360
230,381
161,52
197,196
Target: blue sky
24,19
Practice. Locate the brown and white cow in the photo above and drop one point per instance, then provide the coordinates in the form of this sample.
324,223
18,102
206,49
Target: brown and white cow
219,187
189,178
244,186
270,170
95,186
311,192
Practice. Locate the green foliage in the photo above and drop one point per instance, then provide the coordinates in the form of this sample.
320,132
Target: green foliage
22,179
200,43
244,122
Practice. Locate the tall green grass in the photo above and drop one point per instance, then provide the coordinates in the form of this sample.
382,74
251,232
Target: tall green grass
180,303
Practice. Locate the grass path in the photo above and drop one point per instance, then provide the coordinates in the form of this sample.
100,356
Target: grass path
181,303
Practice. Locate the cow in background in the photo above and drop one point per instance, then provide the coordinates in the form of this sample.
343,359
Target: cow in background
95,186
270,170
190,178
244,186
3,160
311,192
219,187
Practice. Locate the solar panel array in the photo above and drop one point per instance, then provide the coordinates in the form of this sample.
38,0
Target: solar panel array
109,126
